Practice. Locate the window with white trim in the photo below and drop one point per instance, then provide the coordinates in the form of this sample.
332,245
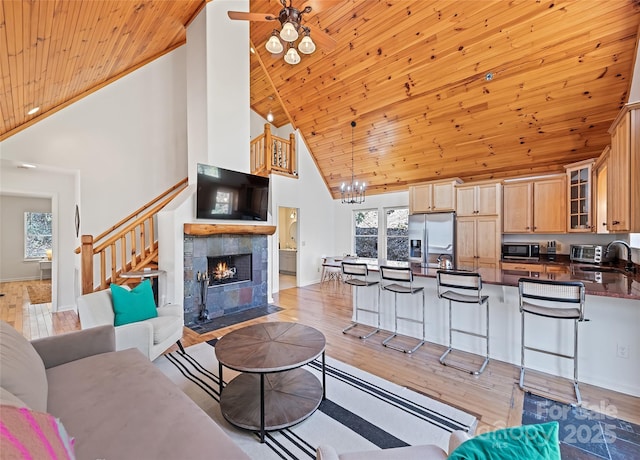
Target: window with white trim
397,233
366,233
37,234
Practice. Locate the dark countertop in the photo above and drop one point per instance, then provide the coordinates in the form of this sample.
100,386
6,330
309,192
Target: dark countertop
618,284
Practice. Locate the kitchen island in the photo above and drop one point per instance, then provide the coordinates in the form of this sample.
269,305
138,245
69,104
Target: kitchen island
609,342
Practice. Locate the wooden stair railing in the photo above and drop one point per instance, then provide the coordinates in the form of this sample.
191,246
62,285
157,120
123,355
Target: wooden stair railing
273,154
129,245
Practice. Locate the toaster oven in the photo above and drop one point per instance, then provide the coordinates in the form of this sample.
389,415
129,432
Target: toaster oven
590,253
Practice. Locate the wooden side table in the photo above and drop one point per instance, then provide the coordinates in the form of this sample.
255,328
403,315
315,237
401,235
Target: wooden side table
273,392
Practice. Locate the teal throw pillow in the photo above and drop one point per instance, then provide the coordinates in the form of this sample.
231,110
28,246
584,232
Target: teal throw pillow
131,306
539,442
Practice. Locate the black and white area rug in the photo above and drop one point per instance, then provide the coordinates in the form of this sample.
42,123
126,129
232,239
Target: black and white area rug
361,412
585,434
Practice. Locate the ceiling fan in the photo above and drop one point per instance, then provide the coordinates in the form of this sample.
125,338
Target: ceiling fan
290,19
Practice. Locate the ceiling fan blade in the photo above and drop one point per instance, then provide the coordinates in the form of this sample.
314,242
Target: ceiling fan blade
250,16
322,39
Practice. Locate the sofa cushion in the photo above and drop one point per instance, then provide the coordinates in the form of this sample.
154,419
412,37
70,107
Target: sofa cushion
131,306
118,405
538,441
23,372
30,434
9,399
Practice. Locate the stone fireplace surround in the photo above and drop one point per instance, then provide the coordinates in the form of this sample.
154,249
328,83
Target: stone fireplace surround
202,241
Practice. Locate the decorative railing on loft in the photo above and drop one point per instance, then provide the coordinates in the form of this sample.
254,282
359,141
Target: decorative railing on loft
129,245
273,154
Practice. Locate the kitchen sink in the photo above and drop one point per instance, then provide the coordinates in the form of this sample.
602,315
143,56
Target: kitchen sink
601,269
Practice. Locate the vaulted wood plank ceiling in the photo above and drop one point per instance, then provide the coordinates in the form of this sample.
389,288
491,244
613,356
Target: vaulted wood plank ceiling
412,74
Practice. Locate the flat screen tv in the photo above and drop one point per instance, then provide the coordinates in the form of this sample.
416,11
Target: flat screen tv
231,195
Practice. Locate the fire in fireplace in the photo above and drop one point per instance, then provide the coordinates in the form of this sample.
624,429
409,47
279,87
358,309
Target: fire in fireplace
229,269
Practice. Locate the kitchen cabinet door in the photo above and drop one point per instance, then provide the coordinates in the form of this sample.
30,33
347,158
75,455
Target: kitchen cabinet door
488,241
619,189
600,175
478,242
517,207
444,197
479,199
420,198
466,243
580,204
550,206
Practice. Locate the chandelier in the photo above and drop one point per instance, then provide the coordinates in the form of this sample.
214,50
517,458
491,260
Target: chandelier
353,193
290,19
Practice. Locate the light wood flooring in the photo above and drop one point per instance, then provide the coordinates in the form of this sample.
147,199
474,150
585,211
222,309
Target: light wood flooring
493,397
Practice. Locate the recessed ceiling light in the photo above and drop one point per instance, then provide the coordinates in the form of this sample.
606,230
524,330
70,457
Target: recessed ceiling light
26,166
33,110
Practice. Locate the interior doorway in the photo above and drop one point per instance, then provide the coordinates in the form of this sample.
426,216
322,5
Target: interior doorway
288,247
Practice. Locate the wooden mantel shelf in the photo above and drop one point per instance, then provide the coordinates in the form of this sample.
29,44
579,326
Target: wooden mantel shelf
217,229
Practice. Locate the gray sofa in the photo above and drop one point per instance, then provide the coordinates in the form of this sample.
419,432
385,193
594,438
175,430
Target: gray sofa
116,404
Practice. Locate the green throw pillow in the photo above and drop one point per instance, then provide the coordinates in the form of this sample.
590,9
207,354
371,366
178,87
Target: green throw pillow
131,306
538,442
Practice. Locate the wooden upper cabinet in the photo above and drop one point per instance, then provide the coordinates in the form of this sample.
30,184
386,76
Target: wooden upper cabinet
434,196
517,215
600,178
579,193
481,199
550,205
537,206
623,171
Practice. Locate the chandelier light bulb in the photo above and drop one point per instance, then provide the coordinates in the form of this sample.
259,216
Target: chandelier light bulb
306,45
292,57
288,33
274,46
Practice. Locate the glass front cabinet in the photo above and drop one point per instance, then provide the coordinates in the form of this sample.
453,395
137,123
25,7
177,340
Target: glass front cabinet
579,197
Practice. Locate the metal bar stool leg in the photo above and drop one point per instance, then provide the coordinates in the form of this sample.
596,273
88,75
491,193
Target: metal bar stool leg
454,286
350,270
567,302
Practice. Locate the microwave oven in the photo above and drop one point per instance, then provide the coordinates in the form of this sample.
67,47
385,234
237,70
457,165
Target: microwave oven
590,253
521,251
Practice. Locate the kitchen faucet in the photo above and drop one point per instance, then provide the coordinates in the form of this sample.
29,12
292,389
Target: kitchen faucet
629,267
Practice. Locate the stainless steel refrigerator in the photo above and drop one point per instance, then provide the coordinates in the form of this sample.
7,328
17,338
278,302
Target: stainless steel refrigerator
430,236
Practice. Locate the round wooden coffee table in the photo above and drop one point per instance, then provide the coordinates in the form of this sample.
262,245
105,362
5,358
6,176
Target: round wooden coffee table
272,392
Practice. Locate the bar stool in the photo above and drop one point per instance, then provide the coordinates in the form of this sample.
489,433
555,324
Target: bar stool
350,270
466,288
562,300
395,276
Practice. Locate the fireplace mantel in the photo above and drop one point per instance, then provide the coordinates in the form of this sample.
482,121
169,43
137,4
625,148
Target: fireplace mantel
217,229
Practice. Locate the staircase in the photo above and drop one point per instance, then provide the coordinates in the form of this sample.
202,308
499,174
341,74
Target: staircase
130,245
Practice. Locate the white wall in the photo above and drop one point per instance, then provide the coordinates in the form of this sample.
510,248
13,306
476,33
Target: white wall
13,266
127,143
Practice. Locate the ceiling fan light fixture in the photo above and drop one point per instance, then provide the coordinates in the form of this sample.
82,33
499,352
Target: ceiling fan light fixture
270,117
306,45
288,32
292,57
274,46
